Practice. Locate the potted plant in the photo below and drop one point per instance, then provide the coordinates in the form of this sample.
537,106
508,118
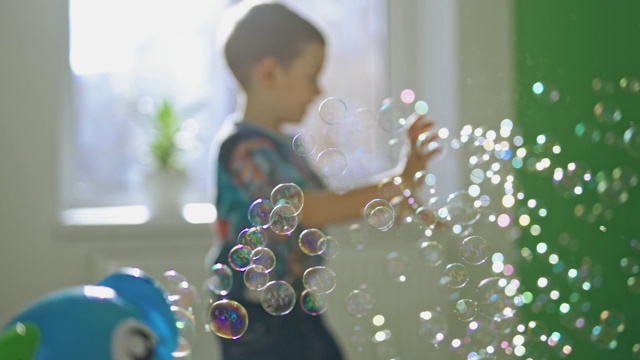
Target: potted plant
167,180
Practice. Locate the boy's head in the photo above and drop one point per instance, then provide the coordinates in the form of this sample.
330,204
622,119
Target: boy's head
263,30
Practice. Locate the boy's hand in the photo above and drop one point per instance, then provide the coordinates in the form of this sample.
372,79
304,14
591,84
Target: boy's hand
417,158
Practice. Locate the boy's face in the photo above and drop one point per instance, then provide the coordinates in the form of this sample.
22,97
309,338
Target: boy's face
298,83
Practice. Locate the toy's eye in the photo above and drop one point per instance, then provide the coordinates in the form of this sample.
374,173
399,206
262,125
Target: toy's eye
132,340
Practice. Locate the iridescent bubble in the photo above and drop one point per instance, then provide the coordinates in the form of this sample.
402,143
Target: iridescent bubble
359,302
392,189
588,132
391,117
432,252
290,194
251,238
397,266
631,140
332,163
278,298
259,212
474,250
626,175
424,178
497,297
379,214
456,275
465,309
461,208
303,144
364,120
178,290
612,192
256,277
425,216
266,259
607,113
433,326
331,249
221,279
312,242
186,324
228,319
240,257
571,180
319,279
283,219
332,110
313,303
630,265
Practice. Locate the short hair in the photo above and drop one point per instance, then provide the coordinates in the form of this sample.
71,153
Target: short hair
262,29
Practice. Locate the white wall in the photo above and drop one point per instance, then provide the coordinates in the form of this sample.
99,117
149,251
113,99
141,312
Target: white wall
37,256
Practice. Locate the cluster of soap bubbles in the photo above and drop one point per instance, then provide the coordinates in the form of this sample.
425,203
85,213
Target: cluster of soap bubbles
183,298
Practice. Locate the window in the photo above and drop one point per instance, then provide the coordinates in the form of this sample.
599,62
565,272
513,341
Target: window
128,56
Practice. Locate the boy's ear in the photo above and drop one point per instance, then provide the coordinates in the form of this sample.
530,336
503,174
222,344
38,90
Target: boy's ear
266,72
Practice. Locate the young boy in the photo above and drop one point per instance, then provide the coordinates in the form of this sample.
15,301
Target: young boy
276,57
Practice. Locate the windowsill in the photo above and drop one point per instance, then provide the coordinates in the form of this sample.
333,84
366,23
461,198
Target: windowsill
136,223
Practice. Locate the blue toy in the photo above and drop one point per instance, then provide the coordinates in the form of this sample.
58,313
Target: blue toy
124,317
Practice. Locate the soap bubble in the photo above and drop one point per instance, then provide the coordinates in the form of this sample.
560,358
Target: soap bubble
379,214
186,324
455,275
312,241
303,144
256,277
221,279
331,248
266,259
228,319
251,238
259,212
313,303
433,326
363,120
607,113
570,181
465,309
278,298
319,279
240,257
631,140
290,194
433,252
425,216
283,219
397,266
496,297
332,110
357,236
474,250
332,163
391,117
178,290
461,208
359,302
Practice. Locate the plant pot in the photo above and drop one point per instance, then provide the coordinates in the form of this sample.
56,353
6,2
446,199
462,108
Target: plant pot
164,192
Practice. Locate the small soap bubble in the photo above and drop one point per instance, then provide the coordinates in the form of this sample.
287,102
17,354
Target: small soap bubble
359,302
221,279
251,238
357,236
331,248
461,208
278,298
332,163
425,216
178,290
186,324
570,180
259,212
313,303
265,258
496,298
290,194
240,257
397,266
332,110
391,117
433,326
319,279
228,319
456,275
303,144
474,250
364,120
312,242
465,309
631,140
432,252
256,277
283,219
379,214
